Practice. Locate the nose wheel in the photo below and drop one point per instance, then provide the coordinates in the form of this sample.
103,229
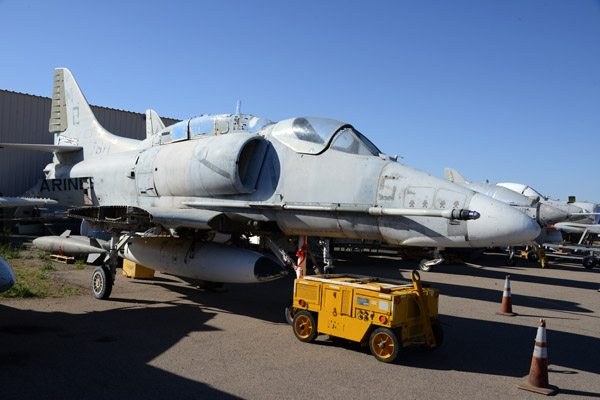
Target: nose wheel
102,282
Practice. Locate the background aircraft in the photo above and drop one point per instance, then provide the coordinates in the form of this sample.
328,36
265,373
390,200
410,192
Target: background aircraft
544,214
584,215
244,175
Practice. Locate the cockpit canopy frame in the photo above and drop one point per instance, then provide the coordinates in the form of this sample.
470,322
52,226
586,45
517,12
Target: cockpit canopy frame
314,135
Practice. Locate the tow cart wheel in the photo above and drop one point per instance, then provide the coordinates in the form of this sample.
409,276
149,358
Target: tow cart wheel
290,311
384,344
589,262
423,265
101,283
305,326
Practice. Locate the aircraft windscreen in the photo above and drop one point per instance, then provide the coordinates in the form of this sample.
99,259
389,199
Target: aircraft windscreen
312,135
351,141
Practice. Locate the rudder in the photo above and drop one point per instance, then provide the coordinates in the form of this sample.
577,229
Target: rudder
74,121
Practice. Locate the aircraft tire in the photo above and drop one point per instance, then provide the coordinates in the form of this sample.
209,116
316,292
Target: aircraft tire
589,262
101,283
423,266
511,261
532,256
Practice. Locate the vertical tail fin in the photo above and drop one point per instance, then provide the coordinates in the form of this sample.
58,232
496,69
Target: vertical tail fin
454,176
72,118
153,123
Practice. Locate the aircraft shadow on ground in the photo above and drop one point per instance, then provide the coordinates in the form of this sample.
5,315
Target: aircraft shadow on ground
399,269
265,301
535,274
498,348
98,355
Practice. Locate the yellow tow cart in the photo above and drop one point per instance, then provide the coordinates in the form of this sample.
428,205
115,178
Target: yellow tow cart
386,314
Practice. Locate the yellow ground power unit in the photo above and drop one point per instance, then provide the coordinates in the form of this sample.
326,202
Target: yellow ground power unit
383,313
137,271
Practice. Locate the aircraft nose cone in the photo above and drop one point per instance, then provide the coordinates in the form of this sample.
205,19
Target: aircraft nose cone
267,269
549,215
499,224
575,213
41,243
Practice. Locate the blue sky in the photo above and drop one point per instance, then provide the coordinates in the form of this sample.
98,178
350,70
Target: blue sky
507,91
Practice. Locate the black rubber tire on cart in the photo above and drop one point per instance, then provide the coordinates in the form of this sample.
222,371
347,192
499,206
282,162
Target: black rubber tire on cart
102,282
384,344
290,312
305,326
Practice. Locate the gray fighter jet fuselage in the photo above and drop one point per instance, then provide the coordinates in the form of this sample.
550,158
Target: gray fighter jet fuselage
236,173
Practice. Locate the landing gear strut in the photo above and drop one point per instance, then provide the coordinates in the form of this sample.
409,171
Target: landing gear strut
426,265
103,277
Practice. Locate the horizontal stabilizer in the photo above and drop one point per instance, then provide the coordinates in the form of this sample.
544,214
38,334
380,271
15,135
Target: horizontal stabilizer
52,148
6,202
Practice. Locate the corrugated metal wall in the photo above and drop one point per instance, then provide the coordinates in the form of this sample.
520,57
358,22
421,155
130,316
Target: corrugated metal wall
24,119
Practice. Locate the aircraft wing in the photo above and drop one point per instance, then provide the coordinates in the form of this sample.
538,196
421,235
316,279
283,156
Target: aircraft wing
24,202
232,215
336,209
131,218
51,148
574,227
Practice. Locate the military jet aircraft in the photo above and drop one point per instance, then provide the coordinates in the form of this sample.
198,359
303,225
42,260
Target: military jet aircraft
584,216
544,214
163,197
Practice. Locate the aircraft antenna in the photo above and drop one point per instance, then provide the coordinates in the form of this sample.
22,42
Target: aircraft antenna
238,108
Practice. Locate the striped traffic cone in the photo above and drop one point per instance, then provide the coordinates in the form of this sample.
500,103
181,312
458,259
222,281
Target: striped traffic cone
538,374
506,308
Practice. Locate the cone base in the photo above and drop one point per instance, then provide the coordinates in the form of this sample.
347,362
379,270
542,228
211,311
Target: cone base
549,391
508,314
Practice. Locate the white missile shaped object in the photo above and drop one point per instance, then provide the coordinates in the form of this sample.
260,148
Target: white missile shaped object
70,245
207,261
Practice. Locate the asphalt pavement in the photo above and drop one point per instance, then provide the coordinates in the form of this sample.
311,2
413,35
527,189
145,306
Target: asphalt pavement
164,338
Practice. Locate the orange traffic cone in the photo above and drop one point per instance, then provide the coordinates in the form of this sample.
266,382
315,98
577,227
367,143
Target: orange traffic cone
506,308
538,374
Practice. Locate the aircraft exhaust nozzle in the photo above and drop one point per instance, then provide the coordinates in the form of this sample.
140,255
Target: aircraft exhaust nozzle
206,261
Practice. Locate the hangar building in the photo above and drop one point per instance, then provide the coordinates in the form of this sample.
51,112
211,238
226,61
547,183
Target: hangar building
24,118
